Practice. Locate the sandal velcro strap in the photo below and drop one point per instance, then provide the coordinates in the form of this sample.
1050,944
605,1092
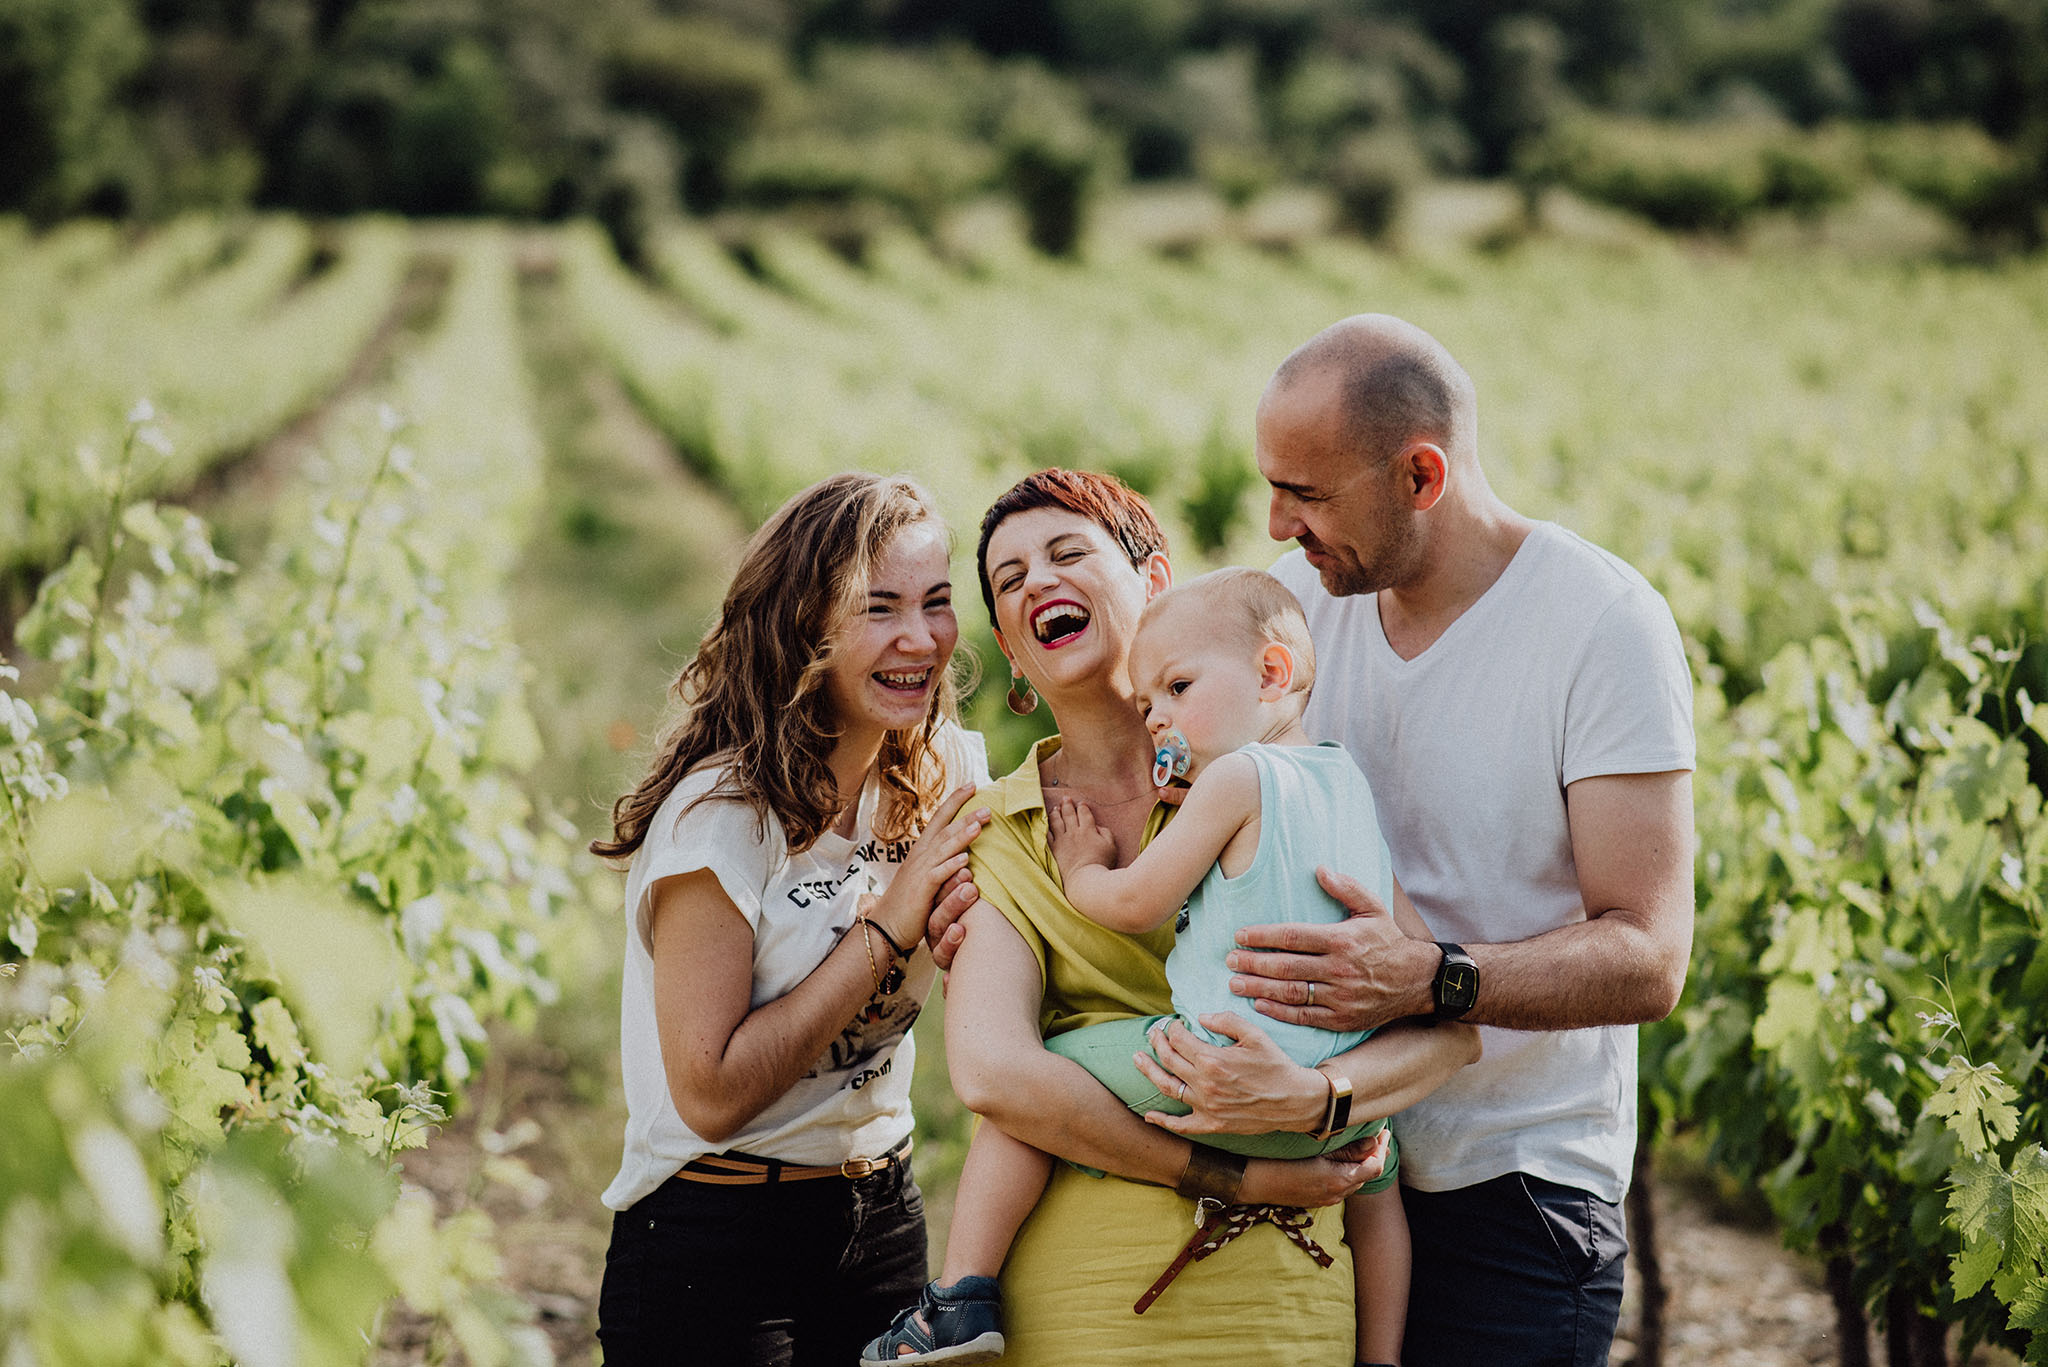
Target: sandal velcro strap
746,1170
955,1325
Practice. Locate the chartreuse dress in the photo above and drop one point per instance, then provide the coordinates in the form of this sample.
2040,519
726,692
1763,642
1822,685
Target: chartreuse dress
1094,1245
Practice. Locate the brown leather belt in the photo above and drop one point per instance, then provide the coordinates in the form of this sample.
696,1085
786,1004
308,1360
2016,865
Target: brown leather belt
745,1170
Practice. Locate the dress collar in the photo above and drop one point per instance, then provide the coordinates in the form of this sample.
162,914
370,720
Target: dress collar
1021,790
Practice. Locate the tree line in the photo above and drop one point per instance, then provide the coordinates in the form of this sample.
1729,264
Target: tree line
625,108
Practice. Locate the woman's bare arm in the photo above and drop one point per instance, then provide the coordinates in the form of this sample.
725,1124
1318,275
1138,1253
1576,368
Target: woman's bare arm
725,1063
1003,1072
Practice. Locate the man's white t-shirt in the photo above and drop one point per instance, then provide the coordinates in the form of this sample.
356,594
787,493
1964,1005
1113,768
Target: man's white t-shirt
854,1102
1570,666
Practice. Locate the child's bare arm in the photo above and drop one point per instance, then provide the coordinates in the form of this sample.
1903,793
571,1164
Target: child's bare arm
1406,916
1144,893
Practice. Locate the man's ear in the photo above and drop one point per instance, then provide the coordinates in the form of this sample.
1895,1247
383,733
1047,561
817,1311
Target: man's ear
1158,572
1427,472
1276,671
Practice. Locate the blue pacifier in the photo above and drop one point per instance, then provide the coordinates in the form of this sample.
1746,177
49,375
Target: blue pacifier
1171,760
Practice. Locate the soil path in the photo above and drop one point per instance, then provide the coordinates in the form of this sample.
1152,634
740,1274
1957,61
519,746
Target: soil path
622,571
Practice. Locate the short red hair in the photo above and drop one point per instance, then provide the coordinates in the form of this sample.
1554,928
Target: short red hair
1105,500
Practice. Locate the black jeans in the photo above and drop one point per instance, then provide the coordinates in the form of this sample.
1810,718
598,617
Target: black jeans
786,1274
1515,1272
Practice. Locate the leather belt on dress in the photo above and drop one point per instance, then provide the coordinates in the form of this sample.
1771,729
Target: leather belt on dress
745,1170
1217,1224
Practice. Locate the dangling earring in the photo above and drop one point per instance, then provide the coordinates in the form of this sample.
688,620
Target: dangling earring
1026,703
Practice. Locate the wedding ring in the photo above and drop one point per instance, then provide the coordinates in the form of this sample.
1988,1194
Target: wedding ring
1183,1090
1311,994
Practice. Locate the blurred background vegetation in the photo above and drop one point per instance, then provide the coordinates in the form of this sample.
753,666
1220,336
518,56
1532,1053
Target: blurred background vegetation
835,230
1699,114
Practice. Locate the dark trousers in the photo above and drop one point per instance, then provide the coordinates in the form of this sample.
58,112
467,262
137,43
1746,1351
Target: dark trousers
1515,1272
787,1274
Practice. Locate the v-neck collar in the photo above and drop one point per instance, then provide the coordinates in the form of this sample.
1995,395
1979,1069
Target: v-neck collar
1516,567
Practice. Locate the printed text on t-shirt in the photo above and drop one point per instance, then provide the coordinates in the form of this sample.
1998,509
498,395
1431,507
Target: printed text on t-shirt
813,890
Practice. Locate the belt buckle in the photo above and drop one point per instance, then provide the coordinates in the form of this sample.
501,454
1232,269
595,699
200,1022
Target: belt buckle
862,1167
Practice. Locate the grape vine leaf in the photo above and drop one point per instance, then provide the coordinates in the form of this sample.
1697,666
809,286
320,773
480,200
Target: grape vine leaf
1980,1197
1974,1267
2030,1202
1978,1103
2030,1311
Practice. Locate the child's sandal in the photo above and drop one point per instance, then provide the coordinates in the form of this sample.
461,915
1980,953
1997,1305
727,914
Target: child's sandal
955,1325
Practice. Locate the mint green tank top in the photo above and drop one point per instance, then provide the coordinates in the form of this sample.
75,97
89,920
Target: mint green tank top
1315,808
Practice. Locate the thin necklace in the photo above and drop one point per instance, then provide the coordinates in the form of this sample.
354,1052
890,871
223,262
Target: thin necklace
1050,782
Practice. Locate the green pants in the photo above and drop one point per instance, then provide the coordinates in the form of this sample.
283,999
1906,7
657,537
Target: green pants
1105,1051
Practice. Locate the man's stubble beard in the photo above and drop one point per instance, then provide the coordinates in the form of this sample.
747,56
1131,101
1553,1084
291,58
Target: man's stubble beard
1344,575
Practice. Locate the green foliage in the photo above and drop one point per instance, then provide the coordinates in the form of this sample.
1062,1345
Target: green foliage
1215,506
1051,181
1864,1030
1388,85
527,107
267,870
1981,184
917,172
66,142
706,79
1714,178
708,82
450,141
1523,94
230,329
1124,33
1371,175
1051,164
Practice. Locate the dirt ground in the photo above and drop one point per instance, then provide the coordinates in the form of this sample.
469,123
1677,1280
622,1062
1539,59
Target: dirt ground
1737,1298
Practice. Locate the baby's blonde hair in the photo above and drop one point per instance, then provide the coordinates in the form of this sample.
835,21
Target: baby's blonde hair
1252,605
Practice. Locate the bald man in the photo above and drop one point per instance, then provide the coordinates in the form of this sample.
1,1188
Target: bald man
1521,702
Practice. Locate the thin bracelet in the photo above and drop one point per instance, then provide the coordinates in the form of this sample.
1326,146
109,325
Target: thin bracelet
883,931
868,943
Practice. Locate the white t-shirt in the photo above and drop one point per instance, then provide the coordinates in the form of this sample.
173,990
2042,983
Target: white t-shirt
1568,667
855,1100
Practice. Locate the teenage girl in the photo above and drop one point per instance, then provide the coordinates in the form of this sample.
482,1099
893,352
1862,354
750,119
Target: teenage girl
776,897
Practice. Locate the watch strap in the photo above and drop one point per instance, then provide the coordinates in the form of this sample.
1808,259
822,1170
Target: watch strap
1337,1108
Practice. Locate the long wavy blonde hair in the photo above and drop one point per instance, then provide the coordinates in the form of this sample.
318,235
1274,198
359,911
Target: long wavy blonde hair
753,697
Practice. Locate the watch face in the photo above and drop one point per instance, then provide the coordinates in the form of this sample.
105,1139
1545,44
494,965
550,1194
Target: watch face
1461,984
1458,986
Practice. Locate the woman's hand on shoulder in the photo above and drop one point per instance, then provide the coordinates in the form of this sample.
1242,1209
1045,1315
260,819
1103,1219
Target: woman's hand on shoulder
1314,1182
931,877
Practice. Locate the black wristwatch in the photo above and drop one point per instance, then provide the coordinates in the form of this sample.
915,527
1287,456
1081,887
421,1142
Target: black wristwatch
1456,985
